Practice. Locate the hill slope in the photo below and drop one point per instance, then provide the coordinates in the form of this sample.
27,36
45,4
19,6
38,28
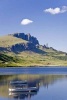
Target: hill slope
21,49
16,44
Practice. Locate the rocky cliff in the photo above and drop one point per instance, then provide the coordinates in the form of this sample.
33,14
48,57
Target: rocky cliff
27,37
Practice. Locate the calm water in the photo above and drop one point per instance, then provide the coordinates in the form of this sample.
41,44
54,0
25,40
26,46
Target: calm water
51,83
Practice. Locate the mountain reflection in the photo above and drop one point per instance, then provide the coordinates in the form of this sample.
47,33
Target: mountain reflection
21,89
26,86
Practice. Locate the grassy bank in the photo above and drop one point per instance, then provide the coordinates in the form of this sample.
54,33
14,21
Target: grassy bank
32,59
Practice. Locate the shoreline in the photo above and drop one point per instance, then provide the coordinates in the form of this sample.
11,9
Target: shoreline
44,66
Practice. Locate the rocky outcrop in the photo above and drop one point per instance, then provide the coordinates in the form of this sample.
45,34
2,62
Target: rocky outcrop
19,47
27,37
22,46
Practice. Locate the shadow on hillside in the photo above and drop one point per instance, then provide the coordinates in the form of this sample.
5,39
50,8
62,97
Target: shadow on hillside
17,51
3,49
17,48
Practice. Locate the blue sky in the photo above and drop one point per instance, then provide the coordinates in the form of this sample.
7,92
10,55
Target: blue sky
44,19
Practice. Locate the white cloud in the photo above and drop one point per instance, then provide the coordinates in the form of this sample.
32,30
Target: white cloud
56,10
26,22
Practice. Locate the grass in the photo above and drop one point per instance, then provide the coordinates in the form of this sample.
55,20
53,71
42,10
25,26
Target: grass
32,59
8,41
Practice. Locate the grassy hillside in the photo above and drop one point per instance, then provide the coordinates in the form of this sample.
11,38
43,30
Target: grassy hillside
6,60
32,59
40,56
9,40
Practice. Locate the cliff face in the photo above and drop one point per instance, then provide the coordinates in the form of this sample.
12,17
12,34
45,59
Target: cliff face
22,47
27,37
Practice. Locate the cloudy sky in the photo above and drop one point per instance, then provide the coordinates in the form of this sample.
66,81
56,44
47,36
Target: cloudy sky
44,19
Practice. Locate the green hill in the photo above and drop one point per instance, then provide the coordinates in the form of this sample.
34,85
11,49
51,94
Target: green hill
21,49
10,40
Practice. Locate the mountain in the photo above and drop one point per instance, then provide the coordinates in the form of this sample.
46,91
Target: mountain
21,49
18,42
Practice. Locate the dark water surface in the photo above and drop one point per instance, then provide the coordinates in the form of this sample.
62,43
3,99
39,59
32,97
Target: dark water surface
51,83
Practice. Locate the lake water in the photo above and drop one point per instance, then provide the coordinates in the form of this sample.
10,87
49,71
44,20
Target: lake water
51,83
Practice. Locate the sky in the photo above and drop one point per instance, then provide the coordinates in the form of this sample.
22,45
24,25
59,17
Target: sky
44,19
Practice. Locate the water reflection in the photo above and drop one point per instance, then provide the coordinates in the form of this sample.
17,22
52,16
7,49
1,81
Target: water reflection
27,86
23,89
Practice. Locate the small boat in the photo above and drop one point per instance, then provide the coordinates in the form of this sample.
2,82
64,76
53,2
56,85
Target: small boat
29,89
